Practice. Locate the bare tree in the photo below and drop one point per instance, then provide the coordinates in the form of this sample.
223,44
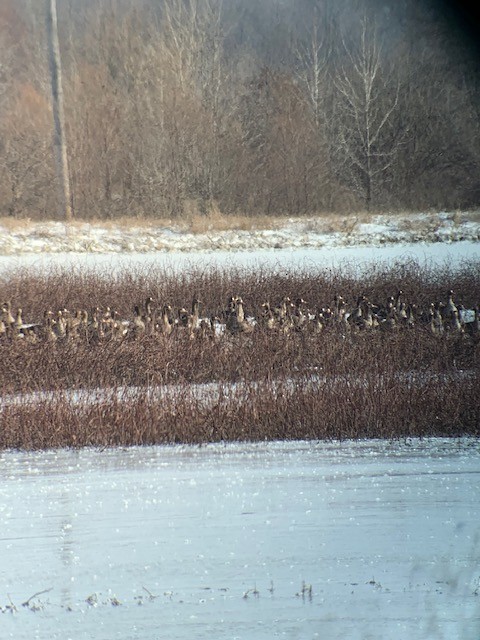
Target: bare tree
59,143
312,68
368,101
193,46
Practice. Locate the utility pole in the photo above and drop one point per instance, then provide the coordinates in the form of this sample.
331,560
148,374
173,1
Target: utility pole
59,139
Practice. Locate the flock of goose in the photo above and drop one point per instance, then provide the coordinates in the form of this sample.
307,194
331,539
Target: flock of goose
443,317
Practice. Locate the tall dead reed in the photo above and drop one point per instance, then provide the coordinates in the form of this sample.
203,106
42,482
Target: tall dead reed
266,385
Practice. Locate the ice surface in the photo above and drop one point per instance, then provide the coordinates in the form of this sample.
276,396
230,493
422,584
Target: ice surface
353,259
224,541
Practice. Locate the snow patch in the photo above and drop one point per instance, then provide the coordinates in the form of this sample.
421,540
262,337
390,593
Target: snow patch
302,233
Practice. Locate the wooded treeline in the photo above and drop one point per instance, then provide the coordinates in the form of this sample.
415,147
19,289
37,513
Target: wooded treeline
275,107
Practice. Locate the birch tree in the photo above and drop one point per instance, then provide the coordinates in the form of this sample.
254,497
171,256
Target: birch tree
312,70
368,100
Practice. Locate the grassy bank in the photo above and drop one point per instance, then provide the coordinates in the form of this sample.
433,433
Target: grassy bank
261,385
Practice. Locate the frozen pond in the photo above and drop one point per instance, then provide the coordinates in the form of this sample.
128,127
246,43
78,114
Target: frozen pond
224,542
354,258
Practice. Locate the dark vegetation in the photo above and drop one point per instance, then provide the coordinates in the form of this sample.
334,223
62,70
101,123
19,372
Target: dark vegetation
146,389
180,107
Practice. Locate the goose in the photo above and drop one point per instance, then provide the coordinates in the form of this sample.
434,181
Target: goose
82,326
436,320
317,322
280,312
473,327
266,318
247,325
366,319
450,308
183,316
328,316
235,325
97,328
208,328
149,316
401,312
239,309
108,322
231,324
194,316
138,325
384,311
454,324
355,316
21,328
7,316
188,320
48,327
298,315
18,324
398,302
59,325
72,324
410,319
339,308
117,327
166,320
231,306
388,322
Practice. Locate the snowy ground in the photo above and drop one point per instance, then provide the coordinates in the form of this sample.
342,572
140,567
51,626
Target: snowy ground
301,244
302,233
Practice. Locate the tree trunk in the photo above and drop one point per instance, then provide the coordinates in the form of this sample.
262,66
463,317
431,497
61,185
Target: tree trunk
59,140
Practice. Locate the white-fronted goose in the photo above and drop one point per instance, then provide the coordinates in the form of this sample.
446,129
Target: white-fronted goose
450,308
166,320
298,314
195,315
436,320
48,327
138,325
233,324
339,308
7,315
267,319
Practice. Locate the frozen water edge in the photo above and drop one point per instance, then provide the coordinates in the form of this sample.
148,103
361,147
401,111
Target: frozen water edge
228,538
353,259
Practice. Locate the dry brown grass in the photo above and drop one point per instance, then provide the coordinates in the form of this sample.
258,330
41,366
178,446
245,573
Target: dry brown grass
299,385
14,224
211,219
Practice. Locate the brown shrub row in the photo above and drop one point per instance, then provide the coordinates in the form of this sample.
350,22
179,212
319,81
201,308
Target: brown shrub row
336,408
160,360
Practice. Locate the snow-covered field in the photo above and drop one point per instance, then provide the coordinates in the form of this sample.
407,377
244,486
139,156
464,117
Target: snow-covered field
300,233
348,541
304,244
